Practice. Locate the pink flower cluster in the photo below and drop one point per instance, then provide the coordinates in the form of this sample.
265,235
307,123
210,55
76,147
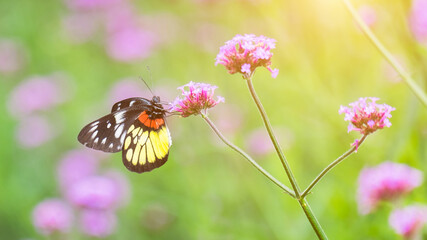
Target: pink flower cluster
126,39
418,20
96,195
366,116
243,54
52,216
385,182
408,221
196,100
30,100
37,93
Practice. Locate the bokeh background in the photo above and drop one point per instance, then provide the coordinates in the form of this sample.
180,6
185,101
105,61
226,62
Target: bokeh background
64,63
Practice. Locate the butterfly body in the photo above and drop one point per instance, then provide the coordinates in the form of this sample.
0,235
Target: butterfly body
135,126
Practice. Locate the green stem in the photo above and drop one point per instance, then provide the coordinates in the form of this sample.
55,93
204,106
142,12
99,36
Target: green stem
247,157
330,166
421,95
267,124
303,202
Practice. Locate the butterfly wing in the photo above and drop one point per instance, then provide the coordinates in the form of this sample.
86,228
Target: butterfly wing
136,101
146,144
108,133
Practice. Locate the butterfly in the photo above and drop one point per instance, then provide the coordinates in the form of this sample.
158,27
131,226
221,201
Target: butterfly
137,128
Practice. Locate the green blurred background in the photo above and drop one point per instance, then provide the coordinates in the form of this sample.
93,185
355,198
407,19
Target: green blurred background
205,190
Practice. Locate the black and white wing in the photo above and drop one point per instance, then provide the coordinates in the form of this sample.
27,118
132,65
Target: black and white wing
130,102
108,133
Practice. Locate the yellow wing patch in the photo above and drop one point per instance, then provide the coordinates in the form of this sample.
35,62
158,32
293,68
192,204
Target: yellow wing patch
145,148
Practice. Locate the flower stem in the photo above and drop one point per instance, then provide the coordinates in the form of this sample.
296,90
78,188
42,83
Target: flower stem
247,157
330,166
303,202
421,95
273,138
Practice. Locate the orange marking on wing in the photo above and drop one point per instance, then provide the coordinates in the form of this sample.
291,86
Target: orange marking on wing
151,123
154,124
143,117
160,122
147,122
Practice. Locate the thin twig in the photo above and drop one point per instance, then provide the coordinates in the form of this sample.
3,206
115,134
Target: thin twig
247,157
330,166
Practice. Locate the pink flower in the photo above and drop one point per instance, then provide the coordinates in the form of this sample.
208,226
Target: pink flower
368,15
34,131
198,99
243,54
75,166
35,94
12,57
127,88
95,192
230,125
418,20
133,87
92,4
385,182
366,116
130,44
409,221
206,36
122,185
97,223
259,142
81,27
52,216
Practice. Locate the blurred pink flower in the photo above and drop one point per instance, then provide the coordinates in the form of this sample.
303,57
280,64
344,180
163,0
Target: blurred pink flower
92,4
34,131
368,15
390,73
122,185
75,166
127,88
418,20
198,99
35,94
259,142
243,54
130,44
385,182
167,27
207,36
366,116
52,216
231,124
120,17
409,221
95,192
81,27
12,57
97,223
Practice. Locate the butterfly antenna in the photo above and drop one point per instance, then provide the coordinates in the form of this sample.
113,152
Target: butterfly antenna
147,85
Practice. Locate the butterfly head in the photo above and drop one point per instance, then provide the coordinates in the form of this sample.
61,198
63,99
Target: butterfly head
157,110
